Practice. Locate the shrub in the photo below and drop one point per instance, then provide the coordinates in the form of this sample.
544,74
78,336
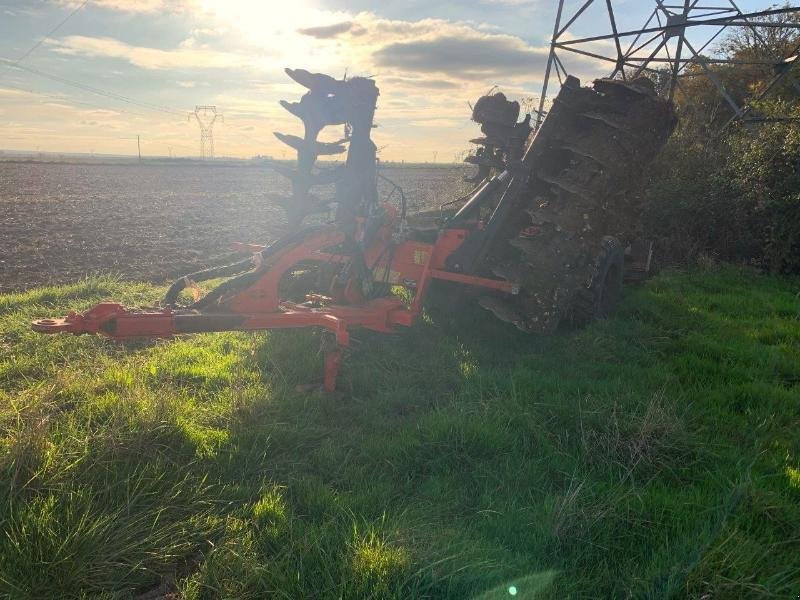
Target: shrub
734,197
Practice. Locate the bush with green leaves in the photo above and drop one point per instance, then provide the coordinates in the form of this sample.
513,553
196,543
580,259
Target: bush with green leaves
732,197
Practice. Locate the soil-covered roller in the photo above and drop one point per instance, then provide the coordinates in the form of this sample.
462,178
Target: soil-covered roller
592,150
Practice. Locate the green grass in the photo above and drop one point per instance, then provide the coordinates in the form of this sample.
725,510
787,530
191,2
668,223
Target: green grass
653,455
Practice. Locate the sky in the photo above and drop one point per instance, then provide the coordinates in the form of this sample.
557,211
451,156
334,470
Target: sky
118,69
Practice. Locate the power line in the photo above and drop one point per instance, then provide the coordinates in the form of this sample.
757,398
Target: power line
256,141
71,101
15,63
110,138
92,105
9,63
251,138
94,90
49,33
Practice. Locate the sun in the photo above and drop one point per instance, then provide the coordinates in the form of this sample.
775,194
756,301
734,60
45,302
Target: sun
274,33
269,23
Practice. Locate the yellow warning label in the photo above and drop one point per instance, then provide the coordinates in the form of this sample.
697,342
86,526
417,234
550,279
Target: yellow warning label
379,274
420,257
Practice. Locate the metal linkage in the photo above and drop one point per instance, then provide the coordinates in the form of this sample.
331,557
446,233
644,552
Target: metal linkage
256,301
662,45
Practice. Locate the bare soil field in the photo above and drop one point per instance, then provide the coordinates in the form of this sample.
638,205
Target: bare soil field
63,221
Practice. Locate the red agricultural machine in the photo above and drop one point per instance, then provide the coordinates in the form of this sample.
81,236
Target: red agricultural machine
541,238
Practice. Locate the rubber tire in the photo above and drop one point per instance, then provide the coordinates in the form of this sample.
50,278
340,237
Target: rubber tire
601,297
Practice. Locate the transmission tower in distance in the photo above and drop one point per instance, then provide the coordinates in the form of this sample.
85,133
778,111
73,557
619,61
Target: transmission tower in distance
206,116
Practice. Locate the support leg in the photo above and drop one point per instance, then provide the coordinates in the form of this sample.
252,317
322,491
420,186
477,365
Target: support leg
333,359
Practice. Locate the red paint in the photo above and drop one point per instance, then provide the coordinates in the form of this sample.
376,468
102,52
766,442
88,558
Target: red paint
259,306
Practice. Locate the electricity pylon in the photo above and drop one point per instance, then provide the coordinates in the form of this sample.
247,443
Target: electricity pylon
670,46
206,116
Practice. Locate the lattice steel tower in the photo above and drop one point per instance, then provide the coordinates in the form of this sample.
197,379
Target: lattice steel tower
206,116
675,36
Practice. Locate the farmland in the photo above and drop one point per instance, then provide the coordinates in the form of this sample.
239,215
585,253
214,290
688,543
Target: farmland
152,222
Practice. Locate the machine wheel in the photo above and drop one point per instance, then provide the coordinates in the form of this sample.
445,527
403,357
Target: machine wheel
602,294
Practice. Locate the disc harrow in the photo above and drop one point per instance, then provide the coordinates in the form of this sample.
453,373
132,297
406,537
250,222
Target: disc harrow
577,197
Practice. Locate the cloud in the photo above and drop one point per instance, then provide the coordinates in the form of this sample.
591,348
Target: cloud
17,93
437,51
510,2
327,31
433,84
133,6
147,58
203,36
427,69
492,55
437,123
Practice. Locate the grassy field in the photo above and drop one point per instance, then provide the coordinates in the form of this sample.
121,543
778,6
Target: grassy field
653,455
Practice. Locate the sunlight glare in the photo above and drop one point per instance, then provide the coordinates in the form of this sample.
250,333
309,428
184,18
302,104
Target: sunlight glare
271,27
